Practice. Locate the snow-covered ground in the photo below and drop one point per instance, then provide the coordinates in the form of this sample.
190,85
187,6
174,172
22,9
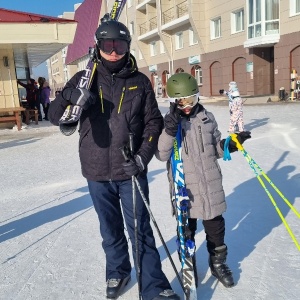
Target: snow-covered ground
49,233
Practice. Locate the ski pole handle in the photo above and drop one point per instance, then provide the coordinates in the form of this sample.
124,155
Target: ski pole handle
238,144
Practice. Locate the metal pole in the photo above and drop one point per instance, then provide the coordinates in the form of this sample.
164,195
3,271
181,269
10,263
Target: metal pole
137,258
158,231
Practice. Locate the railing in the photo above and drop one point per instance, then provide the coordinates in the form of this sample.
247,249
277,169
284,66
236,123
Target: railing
143,28
173,13
153,23
148,26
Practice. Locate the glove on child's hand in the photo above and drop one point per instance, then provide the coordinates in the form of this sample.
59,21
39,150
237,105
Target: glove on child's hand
241,137
172,120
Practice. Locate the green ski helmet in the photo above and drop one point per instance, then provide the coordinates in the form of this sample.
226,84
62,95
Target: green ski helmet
182,85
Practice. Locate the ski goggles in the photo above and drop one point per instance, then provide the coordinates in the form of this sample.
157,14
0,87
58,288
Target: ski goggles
108,46
187,102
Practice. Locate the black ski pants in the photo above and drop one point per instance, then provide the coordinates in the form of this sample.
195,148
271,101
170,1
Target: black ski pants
110,199
214,229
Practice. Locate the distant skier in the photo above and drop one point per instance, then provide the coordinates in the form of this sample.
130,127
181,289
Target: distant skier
235,108
201,146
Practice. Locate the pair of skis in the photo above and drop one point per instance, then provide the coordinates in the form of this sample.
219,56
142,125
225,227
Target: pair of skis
69,120
186,246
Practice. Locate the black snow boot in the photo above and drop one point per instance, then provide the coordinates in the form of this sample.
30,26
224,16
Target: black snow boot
115,287
218,266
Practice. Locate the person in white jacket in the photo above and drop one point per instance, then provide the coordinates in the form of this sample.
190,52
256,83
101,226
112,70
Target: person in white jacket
236,122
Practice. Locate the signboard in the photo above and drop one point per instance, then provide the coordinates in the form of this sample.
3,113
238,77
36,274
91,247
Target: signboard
249,67
152,68
194,59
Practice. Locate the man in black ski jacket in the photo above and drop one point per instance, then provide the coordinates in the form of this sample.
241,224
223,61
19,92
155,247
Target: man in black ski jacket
120,101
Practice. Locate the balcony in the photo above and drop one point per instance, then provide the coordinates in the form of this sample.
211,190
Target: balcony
143,3
175,16
262,41
263,35
148,29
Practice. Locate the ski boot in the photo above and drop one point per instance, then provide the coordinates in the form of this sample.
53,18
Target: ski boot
115,287
218,266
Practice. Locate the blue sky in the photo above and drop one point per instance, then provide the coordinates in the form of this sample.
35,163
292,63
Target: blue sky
49,8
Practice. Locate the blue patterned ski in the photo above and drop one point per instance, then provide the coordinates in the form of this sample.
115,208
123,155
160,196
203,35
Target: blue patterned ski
186,247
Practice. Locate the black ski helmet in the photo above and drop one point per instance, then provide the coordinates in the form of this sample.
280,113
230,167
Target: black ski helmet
112,30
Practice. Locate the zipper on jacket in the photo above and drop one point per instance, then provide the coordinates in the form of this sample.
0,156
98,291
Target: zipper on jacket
101,98
200,139
109,125
186,150
121,100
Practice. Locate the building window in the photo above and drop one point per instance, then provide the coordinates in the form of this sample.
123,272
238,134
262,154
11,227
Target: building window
272,17
294,7
162,47
192,37
198,75
131,28
153,48
178,40
54,59
237,21
263,18
215,28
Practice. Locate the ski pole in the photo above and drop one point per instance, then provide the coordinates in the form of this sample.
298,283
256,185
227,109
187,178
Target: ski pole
255,166
256,169
158,231
137,259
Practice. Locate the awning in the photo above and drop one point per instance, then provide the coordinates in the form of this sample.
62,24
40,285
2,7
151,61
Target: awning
34,38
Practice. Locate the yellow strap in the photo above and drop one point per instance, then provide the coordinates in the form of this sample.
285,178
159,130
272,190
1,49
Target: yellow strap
238,144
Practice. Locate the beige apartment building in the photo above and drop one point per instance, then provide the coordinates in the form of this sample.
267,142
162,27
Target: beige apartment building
253,42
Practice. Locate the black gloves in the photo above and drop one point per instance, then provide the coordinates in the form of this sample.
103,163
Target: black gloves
172,119
133,166
221,92
82,97
241,137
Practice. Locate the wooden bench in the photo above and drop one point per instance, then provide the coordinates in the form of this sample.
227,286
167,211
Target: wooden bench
31,114
15,117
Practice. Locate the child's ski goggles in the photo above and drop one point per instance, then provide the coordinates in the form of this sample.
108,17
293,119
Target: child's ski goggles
187,102
108,46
